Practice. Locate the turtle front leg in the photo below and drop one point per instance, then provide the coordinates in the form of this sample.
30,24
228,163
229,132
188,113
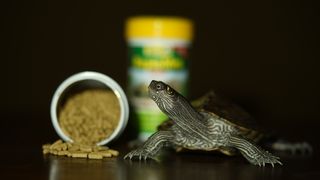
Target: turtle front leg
152,146
253,153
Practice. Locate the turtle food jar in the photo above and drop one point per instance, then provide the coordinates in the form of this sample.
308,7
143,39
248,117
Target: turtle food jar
158,50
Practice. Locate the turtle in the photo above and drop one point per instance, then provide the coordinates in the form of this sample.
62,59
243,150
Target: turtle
210,123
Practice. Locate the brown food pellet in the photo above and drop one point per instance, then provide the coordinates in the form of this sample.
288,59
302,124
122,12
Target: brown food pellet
55,144
62,153
105,154
100,148
85,148
54,152
95,155
45,151
79,154
113,152
74,148
46,146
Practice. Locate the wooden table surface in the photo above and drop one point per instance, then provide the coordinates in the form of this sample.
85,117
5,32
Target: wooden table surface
29,163
21,158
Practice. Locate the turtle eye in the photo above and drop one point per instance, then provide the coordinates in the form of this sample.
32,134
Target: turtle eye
158,86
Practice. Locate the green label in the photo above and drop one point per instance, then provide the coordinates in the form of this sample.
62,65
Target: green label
149,121
158,58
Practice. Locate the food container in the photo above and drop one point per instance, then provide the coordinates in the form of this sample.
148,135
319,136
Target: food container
158,50
83,81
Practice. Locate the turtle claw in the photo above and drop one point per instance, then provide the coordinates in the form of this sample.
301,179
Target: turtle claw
266,158
127,156
140,154
276,162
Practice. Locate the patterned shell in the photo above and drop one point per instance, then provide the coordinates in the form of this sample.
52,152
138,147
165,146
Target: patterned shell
227,110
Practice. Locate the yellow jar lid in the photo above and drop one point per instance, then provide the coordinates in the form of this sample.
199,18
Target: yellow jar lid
159,27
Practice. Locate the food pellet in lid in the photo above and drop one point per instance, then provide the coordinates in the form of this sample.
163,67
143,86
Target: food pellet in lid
90,116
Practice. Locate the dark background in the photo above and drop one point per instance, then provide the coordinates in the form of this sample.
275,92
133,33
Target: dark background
262,54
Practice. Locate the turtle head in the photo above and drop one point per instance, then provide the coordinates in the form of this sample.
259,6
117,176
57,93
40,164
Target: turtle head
164,95
172,103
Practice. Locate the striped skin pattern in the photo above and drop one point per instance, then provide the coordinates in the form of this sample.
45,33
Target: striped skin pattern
197,130
253,153
212,137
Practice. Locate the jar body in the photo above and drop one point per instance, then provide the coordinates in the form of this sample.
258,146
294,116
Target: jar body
161,59
85,81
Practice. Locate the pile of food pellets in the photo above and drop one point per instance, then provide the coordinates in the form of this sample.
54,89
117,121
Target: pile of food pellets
90,116
75,150
87,118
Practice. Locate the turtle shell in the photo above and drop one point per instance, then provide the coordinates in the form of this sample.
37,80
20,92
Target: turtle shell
228,111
